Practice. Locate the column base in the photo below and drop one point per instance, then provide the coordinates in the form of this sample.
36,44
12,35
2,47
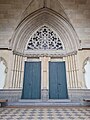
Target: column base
44,95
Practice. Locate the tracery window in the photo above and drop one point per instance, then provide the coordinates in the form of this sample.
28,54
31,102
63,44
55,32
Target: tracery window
44,39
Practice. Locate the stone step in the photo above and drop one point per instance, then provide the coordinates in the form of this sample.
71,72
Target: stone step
44,101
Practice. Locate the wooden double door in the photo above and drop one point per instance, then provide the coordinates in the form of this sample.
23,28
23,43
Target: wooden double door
32,81
57,81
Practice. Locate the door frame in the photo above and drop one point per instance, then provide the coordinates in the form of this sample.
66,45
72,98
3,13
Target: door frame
56,60
32,61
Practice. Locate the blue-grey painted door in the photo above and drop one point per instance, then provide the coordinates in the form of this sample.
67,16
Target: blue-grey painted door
32,81
57,81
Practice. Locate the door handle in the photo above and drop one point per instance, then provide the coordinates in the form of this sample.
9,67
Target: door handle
59,84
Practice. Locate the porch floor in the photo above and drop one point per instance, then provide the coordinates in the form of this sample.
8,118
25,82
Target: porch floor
45,113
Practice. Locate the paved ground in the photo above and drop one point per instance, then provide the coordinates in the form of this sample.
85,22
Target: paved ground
45,113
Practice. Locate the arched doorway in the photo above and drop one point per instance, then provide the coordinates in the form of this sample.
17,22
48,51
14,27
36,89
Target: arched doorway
44,74
45,40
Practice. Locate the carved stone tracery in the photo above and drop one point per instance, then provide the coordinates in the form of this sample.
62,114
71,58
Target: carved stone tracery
44,39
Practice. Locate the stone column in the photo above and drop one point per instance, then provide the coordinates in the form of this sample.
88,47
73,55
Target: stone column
44,81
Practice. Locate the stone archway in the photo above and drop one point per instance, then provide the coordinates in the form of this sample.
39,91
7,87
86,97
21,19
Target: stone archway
39,18
43,44
56,22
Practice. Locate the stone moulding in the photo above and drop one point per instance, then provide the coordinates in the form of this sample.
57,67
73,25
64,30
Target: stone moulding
44,53
50,18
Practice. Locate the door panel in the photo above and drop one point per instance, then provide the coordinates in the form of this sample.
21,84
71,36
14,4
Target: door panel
57,81
32,81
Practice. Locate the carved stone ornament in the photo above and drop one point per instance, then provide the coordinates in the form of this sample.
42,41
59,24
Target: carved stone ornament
4,63
44,39
84,63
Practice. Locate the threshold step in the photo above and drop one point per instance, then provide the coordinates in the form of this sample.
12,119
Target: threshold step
44,101
43,104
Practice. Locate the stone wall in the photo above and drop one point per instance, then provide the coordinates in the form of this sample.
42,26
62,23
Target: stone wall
13,11
81,57
15,68
75,95
78,12
11,94
7,55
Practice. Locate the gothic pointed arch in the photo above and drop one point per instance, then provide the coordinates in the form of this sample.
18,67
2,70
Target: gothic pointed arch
51,18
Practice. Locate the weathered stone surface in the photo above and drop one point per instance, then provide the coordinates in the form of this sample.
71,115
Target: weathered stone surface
12,11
